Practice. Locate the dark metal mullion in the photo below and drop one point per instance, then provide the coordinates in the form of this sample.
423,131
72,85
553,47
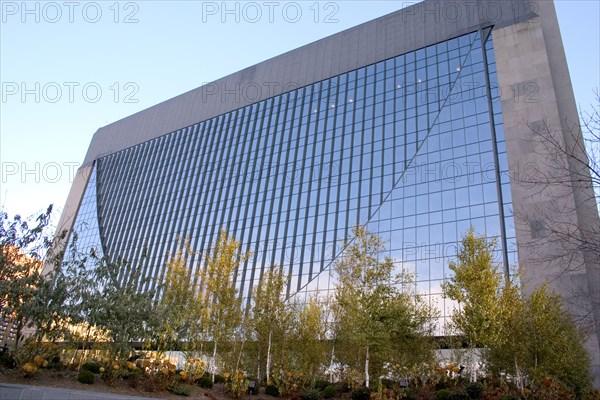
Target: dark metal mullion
228,202
190,217
331,161
269,166
320,177
496,156
372,150
250,137
175,171
243,142
306,138
277,191
147,162
259,208
150,213
162,208
123,195
257,134
288,219
350,160
187,198
208,205
140,165
310,182
217,186
388,97
185,186
362,150
196,212
199,228
106,196
113,190
147,168
341,169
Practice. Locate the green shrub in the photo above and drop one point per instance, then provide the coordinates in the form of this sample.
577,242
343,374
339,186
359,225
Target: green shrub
459,396
206,382
361,393
443,394
321,384
387,383
91,366
344,387
310,394
56,365
272,390
474,390
409,394
135,373
180,389
220,379
329,392
86,377
7,360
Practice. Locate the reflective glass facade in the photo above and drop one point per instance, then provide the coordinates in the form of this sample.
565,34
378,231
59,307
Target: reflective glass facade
413,147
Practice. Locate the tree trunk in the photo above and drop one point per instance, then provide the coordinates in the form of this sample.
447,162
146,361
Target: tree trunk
269,356
258,364
473,372
519,377
214,362
367,368
331,363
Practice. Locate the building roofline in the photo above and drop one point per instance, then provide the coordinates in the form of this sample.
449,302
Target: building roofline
402,31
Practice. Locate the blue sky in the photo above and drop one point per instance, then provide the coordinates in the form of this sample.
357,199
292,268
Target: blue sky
68,68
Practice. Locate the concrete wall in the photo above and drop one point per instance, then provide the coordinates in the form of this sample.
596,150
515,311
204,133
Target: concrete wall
555,210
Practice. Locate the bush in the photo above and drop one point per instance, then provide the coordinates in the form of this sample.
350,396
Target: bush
459,396
344,387
387,383
361,393
206,382
329,392
272,390
310,394
85,376
133,374
6,359
56,365
443,394
237,384
409,394
93,367
180,389
28,370
321,384
474,390
220,379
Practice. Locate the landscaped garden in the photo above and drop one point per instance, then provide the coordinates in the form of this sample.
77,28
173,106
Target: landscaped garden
370,337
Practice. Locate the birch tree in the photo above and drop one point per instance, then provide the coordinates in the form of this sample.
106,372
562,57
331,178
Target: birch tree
309,341
180,307
368,299
270,318
476,286
223,305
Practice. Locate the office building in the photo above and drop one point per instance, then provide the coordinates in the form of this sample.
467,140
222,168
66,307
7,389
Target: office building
418,124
